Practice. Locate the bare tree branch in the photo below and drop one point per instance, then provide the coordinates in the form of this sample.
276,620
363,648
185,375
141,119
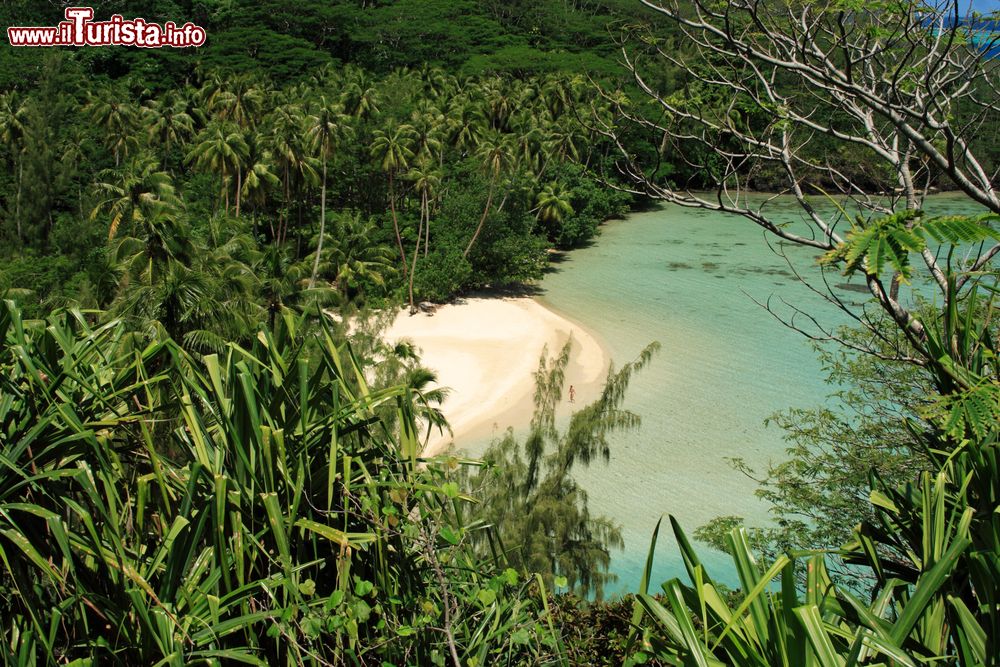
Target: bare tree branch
902,90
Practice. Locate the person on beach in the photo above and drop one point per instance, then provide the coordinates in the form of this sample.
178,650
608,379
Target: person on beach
572,394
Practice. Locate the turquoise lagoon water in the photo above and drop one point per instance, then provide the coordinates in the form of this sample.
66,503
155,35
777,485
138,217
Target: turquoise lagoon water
689,279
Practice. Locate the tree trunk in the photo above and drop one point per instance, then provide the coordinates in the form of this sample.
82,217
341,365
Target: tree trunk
225,190
283,219
486,212
395,224
17,209
298,216
322,227
545,165
416,249
239,186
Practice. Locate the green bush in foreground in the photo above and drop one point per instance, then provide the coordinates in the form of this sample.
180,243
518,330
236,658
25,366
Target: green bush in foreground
931,544
246,507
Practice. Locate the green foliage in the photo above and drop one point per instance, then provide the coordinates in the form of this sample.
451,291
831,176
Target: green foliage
442,273
591,205
526,60
974,411
244,49
133,193
595,632
932,546
820,492
923,555
528,491
886,243
249,506
354,264
772,624
436,163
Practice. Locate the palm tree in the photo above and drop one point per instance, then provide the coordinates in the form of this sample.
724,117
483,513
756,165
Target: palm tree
116,119
553,203
260,178
465,123
279,275
499,104
200,290
238,99
283,284
228,258
391,148
212,83
71,155
428,123
423,382
560,94
329,76
528,143
495,154
169,123
190,100
352,258
134,192
287,145
141,259
13,133
359,97
221,147
436,82
561,142
426,182
324,129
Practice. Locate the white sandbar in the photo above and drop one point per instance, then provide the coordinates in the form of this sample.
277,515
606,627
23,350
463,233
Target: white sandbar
485,350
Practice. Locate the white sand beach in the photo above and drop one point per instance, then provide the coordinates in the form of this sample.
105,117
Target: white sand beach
485,350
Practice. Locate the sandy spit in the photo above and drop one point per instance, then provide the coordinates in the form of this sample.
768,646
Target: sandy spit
485,351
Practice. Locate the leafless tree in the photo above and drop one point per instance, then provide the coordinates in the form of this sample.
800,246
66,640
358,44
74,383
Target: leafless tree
903,85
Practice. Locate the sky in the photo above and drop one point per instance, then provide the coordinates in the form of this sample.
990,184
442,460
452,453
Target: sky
983,6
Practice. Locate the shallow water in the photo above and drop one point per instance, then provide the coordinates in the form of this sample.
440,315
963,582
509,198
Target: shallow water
689,279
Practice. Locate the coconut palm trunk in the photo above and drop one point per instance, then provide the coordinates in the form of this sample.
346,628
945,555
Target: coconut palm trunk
322,224
17,209
283,222
482,221
239,186
225,190
424,220
395,224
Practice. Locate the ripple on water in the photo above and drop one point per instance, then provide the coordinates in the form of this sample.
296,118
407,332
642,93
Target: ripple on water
726,365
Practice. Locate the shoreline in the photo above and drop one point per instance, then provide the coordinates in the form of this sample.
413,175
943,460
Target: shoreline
485,350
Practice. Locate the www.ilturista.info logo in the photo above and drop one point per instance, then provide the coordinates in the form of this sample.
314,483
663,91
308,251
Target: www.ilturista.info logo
79,30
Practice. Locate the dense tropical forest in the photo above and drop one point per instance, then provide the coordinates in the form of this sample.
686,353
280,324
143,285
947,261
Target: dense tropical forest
208,454
210,192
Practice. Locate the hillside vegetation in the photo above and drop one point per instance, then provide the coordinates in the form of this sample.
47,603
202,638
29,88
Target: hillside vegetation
209,456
